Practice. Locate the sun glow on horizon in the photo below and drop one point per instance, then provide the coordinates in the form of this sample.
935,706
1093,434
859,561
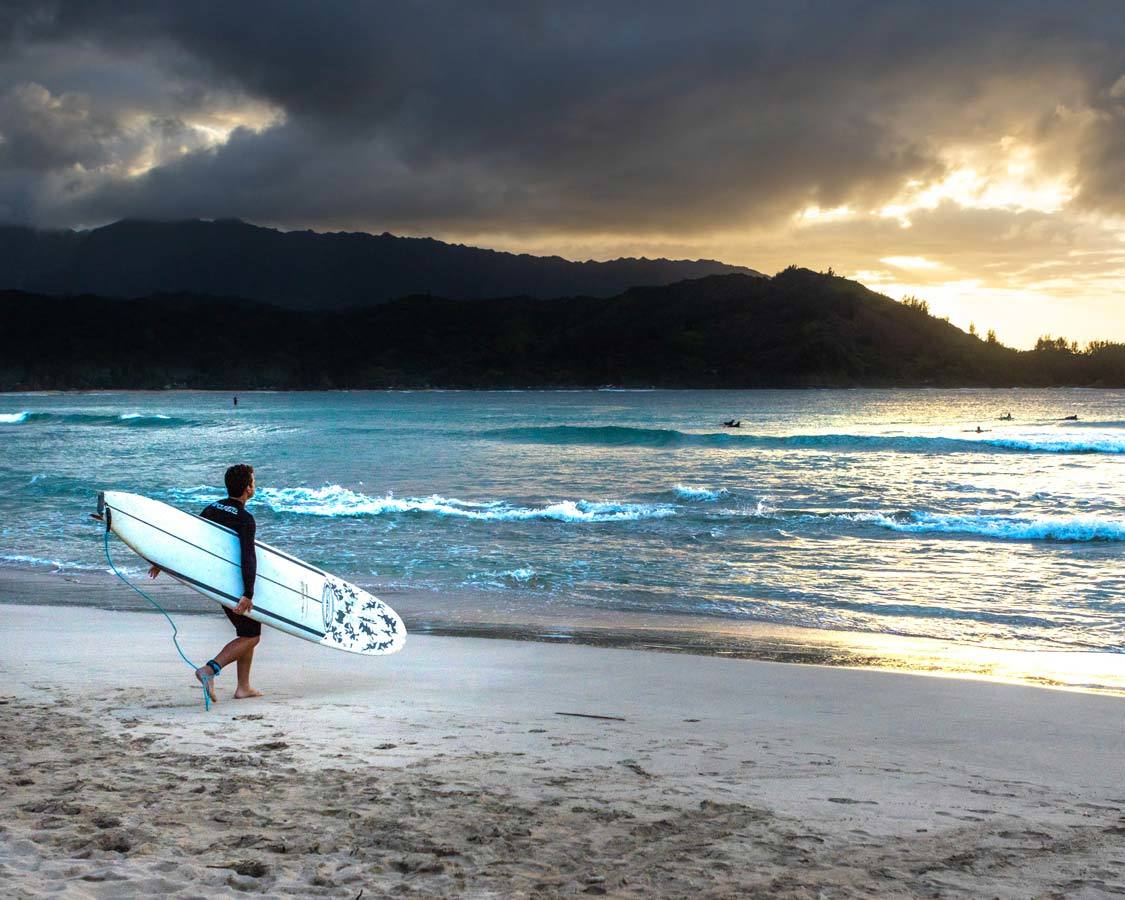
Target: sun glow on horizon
993,237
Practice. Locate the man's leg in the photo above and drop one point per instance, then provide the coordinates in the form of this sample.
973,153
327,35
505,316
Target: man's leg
235,650
243,690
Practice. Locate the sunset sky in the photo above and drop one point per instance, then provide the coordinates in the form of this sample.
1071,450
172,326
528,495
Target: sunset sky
972,154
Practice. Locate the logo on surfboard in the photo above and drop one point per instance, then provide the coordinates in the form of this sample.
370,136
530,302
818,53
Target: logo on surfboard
329,597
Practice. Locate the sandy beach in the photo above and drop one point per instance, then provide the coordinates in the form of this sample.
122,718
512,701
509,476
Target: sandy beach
475,767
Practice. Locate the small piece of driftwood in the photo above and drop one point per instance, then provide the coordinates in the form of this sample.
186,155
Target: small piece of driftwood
589,716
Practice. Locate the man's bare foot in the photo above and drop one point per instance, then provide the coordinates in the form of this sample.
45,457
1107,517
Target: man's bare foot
205,672
241,694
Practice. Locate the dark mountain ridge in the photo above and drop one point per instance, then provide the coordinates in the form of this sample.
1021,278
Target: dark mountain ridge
797,329
304,269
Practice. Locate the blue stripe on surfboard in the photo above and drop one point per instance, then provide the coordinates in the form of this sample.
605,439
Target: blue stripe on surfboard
184,540
266,547
214,590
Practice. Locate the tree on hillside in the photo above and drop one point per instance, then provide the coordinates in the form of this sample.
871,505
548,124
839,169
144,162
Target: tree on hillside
1056,345
912,302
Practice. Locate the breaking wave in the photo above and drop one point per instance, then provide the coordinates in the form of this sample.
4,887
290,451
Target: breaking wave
1013,528
130,420
699,494
625,436
334,500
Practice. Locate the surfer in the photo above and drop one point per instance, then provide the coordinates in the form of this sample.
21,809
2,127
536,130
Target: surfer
732,423
232,513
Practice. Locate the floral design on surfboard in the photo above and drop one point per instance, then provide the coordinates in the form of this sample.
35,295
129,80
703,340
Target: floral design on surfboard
356,621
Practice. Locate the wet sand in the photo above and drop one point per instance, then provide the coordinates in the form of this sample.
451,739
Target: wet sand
464,766
473,615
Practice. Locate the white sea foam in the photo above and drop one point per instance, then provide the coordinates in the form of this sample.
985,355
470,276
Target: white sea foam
334,500
764,508
522,577
1107,443
699,494
126,417
20,558
13,418
1019,528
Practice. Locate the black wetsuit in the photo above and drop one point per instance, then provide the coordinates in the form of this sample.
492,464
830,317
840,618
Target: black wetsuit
233,515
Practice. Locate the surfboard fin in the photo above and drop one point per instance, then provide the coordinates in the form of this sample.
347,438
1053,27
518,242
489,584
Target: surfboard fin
103,511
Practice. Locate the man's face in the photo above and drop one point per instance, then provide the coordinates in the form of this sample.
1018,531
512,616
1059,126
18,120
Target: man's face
250,490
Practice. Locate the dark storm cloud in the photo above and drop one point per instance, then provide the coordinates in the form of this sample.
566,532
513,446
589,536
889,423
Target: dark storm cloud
429,116
1102,161
43,132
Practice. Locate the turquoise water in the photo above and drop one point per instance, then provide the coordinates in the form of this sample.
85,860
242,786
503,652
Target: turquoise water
879,511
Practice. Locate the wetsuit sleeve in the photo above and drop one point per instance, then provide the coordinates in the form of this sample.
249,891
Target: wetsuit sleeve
246,531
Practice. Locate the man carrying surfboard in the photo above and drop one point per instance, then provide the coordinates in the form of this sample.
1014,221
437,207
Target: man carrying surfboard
232,513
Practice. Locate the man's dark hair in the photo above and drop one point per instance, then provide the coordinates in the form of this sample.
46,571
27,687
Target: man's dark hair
238,479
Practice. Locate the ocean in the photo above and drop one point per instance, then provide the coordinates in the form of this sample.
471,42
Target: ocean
862,511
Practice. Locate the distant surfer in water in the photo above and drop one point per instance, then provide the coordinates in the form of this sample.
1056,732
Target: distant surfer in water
232,513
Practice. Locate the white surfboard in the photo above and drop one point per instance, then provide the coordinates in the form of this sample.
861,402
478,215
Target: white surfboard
289,594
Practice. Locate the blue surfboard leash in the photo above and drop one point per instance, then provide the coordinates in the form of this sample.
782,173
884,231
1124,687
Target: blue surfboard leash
175,631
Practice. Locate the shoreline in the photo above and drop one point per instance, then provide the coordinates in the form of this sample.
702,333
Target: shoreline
430,614
489,768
